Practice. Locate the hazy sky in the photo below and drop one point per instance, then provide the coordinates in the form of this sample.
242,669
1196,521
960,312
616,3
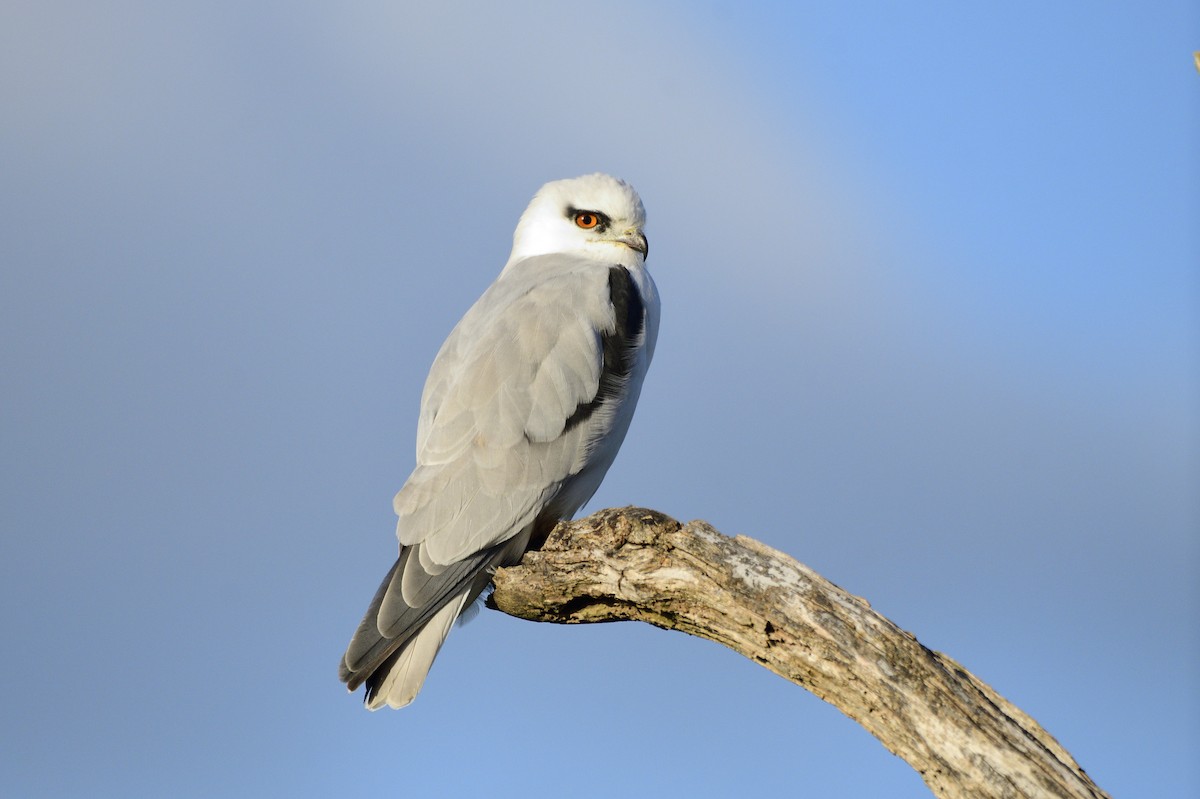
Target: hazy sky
931,324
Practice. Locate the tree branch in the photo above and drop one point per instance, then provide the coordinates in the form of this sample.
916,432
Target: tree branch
963,738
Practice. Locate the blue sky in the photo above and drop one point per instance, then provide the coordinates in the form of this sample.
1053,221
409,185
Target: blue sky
931,324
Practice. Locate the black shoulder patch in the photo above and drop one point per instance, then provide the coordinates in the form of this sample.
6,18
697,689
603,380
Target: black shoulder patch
619,346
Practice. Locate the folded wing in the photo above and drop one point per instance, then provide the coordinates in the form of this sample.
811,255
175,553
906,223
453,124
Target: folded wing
522,413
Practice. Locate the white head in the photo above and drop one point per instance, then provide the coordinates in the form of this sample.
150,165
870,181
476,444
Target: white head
594,215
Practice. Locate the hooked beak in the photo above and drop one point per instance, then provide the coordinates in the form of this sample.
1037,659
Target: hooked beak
636,240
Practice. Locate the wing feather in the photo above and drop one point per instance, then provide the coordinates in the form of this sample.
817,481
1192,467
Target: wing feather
523,410
497,403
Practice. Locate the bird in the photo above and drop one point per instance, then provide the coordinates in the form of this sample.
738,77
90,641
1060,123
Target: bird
523,411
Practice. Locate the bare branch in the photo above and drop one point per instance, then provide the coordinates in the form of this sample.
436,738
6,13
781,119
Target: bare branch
963,738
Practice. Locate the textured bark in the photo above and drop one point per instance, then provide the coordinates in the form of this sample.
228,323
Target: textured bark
963,738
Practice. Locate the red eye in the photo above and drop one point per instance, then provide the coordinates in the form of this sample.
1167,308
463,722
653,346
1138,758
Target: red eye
586,219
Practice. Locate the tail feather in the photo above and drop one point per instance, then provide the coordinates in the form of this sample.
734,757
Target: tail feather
390,620
396,642
398,680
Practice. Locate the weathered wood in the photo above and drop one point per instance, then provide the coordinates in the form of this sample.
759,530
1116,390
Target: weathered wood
963,738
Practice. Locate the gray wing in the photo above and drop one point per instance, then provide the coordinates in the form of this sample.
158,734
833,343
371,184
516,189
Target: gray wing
515,403
494,441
